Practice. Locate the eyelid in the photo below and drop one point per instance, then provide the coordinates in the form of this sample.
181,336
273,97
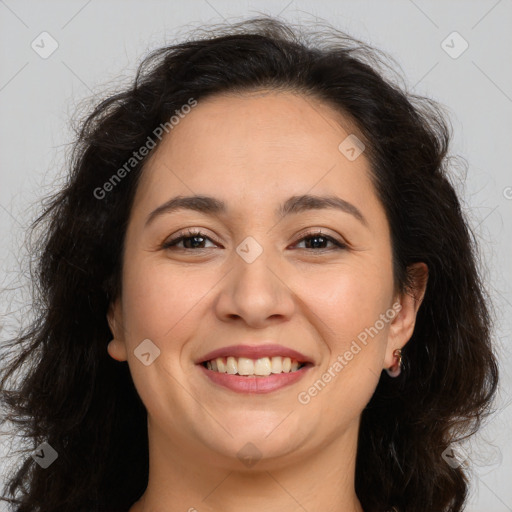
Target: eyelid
200,233
186,233
312,232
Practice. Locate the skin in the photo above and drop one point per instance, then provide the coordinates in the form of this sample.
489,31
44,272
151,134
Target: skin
254,151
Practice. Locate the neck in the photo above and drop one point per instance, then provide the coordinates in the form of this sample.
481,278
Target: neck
182,478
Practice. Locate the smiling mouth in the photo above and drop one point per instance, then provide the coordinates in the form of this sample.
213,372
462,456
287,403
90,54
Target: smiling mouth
246,367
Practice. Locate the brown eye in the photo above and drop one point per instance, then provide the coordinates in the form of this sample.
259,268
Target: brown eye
191,240
318,240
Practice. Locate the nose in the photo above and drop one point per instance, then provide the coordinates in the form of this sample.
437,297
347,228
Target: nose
257,293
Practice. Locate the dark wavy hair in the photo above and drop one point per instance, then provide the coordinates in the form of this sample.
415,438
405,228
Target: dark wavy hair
84,404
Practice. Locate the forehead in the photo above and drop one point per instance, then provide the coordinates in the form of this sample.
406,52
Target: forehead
254,146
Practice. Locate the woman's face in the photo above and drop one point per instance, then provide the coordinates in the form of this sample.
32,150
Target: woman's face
256,278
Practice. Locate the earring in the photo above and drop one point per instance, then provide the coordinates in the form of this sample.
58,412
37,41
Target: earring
394,371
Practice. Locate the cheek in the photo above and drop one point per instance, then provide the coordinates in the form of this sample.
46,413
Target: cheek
346,308
347,304
347,299
161,301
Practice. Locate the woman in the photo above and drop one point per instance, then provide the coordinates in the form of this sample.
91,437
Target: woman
257,291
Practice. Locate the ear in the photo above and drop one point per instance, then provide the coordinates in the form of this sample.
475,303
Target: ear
402,326
116,348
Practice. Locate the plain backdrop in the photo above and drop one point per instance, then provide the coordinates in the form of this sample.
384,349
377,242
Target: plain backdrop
100,44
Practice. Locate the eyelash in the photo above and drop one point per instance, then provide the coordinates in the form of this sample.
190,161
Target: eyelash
198,234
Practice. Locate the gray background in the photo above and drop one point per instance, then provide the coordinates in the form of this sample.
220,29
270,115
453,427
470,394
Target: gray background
101,43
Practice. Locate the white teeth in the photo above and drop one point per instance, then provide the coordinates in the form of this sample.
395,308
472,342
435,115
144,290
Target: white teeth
263,366
277,364
221,367
246,366
231,366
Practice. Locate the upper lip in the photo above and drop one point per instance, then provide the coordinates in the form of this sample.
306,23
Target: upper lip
255,352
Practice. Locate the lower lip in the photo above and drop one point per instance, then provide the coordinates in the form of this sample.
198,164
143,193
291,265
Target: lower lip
253,384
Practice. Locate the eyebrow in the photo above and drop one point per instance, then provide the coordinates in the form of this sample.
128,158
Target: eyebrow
293,205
